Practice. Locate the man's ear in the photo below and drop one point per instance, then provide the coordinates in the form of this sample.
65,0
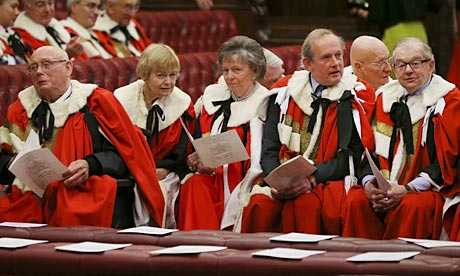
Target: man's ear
357,66
306,63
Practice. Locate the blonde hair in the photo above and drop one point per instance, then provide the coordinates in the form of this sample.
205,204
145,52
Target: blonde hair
157,58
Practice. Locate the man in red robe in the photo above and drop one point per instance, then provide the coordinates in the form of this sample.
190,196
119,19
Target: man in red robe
87,130
118,23
317,114
417,149
37,27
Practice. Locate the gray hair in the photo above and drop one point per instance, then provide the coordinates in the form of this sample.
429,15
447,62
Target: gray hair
247,49
70,2
411,43
314,35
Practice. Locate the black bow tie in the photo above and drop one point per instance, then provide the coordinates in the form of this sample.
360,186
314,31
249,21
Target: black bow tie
400,116
324,103
122,29
52,32
157,113
19,48
45,131
223,109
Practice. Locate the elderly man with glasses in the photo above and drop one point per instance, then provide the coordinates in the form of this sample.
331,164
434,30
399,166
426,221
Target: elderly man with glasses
88,130
417,150
37,27
82,17
117,21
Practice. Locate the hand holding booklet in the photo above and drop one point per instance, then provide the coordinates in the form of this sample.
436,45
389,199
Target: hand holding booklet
37,167
381,181
288,173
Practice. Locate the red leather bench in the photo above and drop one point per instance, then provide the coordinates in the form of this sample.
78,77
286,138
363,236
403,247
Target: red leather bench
189,31
43,259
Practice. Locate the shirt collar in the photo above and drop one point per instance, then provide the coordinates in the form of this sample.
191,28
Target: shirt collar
65,95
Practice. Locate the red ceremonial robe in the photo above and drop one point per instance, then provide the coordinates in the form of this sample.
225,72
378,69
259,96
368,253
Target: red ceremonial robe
92,203
203,197
419,214
320,210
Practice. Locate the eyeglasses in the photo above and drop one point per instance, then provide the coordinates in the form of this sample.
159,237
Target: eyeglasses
378,64
131,7
42,4
92,6
47,64
163,76
415,64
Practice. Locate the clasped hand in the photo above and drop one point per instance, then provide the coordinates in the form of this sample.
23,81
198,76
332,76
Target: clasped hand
300,187
384,201
194,164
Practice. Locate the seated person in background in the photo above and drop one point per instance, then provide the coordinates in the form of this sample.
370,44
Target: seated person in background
12,50
117,21
417,145
274,69
37,27
156,105
316,114
369,61
239,103
88,130
82,16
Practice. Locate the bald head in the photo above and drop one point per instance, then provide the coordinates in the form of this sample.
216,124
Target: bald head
50,70
369,59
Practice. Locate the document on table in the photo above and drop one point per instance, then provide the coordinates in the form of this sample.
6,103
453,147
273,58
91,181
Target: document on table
18,243
187,249
220,149
431,243
286,174
381,181
383,256
92,247
148,230
21,224
300,237
37,167
287,253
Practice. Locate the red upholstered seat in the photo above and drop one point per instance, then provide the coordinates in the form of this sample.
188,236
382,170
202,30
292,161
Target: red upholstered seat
188,31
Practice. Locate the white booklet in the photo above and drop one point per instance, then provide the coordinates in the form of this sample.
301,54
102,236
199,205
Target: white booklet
301,237
220,149
431,243
285,175
37,167
187,249
381,180
92,247
18,243
21,224
148,230
287,253
382,256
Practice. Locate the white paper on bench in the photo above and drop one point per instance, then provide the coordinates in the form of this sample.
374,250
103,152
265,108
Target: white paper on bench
300,237
22,224
287,253
431,243
18,243
91,247
382,256
148,230
187,249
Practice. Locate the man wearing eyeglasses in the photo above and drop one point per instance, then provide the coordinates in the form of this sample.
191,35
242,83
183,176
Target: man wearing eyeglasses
82,17
37,27
88,130
417,149
118,22
369,60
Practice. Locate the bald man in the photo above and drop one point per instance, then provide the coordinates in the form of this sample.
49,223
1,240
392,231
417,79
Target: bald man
369,60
